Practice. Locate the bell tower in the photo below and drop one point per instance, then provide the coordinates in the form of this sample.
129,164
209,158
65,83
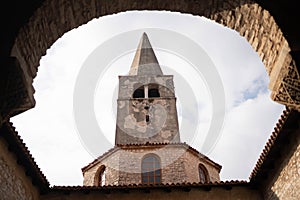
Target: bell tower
147,147
146,111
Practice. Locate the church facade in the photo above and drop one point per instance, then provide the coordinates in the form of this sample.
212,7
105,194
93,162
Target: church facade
148,149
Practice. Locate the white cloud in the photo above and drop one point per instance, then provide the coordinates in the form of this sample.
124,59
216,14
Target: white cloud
246,130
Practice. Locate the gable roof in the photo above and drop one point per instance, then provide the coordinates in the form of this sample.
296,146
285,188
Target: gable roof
150,145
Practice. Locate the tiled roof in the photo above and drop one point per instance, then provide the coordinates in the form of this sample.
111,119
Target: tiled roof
206,186
185,145
139,145
272,141
24,158
114,149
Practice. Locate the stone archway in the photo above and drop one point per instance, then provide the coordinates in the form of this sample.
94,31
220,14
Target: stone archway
55,17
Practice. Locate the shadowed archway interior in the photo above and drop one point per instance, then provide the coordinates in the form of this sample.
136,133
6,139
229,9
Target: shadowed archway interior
248,18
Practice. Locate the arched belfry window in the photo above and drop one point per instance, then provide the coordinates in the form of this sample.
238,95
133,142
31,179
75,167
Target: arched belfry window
153,91
147,91
100,176
139,93
203,174
151,170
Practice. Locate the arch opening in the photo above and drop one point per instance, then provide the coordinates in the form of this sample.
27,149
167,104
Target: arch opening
139,93
99,179
203,174
229,15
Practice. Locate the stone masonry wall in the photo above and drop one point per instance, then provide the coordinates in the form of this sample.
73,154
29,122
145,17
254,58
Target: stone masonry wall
133,128
55,17
268,41
111,164
192,164
179,164
14,183
285,184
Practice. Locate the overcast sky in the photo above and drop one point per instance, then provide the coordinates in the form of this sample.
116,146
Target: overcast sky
49,130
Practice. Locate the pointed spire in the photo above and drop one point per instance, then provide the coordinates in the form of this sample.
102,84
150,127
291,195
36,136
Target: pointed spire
145,61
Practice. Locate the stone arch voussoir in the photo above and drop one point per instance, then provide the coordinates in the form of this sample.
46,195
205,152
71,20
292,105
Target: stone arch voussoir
56,17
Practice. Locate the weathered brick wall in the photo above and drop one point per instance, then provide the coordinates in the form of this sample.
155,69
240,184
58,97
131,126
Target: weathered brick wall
14,184
178,165
285,184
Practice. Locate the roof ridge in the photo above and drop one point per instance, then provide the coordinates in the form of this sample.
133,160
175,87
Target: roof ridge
118,146
99,157
160,185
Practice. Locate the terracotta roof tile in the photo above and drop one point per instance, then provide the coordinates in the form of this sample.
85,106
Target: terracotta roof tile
134,145
156,186
171,144
24,158
100,157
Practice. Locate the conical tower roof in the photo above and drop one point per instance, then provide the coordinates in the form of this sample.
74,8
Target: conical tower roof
145,61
